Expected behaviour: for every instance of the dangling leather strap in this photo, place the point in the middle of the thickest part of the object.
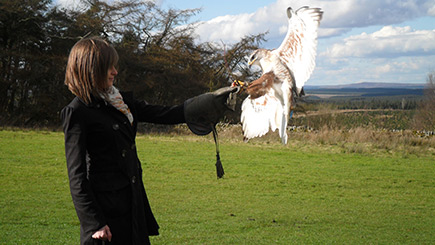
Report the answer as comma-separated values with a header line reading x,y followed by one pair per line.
x,y
219,168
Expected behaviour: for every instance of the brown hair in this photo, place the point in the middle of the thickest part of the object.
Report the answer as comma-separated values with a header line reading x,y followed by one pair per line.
x,y
88,64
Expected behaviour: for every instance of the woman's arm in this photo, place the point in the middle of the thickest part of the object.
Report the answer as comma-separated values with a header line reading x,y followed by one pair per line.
x,y
199,112
159,114
88,212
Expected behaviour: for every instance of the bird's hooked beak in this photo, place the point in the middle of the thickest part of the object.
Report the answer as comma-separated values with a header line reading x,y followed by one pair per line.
x,y
251,62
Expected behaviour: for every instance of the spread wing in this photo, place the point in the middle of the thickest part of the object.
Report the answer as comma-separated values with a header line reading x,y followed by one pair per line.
x,y
298,50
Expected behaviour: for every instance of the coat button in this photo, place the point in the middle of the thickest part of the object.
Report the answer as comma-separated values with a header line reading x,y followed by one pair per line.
x,y
133,179
124,153
115,126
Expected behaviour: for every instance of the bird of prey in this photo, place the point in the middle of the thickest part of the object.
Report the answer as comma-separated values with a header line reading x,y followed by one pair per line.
x,y
284,73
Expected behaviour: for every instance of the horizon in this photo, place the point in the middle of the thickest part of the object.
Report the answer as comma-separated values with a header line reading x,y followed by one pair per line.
x,y
370,83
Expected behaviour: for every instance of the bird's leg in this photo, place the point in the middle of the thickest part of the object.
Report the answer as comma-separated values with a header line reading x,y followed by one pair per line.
x,y
237,83
283,132
285,117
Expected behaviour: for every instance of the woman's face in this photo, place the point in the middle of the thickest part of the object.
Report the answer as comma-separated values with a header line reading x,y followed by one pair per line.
x,y
111,74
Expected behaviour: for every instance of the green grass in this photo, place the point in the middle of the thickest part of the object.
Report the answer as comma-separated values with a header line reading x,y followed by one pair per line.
x,y
271,194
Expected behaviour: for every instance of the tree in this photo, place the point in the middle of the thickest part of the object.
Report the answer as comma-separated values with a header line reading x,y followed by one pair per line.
x,y
22,45
424,118
159,57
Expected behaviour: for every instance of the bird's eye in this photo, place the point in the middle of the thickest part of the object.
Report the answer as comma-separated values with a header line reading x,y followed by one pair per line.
x,y
254,57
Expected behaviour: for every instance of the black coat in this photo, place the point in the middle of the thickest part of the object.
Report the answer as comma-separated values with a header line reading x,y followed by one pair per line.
x,y
105,174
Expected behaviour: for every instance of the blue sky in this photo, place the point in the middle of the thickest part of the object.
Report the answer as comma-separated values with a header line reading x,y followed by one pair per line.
x,y
383,41
359,40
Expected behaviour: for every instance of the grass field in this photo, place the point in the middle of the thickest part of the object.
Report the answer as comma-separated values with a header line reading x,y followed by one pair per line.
x,y
303,193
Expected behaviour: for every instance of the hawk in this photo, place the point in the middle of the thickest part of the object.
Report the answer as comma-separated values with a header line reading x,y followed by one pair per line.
x,y
284,73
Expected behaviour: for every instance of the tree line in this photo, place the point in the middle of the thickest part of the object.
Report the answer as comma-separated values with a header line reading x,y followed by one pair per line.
x,y
159,56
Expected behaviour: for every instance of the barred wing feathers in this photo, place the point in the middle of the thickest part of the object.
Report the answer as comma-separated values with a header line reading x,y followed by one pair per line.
x,y
298,50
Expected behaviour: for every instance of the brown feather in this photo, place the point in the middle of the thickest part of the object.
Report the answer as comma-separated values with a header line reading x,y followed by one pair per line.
x,y
260,86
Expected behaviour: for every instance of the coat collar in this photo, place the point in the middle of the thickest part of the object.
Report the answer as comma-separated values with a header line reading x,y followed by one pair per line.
x,y
96,101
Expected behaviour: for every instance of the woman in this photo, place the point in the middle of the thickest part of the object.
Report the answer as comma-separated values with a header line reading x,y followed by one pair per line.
x,y
100,124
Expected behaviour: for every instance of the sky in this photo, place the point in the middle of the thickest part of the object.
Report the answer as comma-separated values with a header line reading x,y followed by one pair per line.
x,y
382,41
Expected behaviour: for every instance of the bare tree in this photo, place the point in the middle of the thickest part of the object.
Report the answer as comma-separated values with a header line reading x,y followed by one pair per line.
x,y
424,118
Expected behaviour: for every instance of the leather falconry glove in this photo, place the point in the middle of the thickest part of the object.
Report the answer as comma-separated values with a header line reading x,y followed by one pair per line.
x,y
203,112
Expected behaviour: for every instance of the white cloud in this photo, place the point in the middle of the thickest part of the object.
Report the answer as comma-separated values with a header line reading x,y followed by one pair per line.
x,y
351,70
389,41
229,28
232,28
381,68
330,32
339,17
390,54
360,13
374,64
71,4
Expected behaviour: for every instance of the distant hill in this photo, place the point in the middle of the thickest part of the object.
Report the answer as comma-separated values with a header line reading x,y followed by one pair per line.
x,y
364,89
366,85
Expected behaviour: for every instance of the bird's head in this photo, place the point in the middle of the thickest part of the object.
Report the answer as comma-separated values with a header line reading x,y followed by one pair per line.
x,y
256,56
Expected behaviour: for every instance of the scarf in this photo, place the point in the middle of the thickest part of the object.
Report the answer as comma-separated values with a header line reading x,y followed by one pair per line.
x,y
113,96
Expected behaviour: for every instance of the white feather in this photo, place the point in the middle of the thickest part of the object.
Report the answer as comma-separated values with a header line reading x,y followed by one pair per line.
x,y
260,115
298,50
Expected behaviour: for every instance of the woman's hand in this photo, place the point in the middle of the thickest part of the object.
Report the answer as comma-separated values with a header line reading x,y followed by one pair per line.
x,y
103,234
